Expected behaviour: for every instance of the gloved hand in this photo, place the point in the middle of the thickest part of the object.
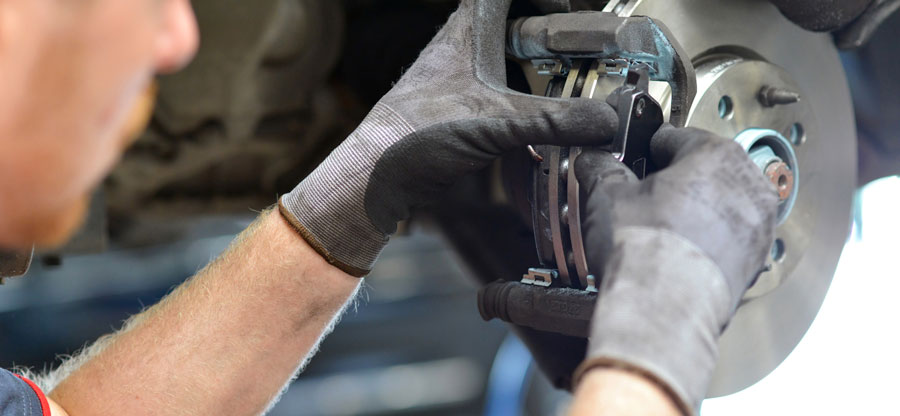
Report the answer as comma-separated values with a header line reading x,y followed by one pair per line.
x,y
823,15
450,114
851,22
677,251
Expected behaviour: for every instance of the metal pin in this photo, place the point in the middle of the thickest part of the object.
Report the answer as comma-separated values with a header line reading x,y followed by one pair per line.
x,y
639,107
534,154
772,96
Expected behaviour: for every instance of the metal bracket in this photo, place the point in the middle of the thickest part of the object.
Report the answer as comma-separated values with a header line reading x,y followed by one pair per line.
x,y
554,67
858,32
540,277
640,116
602,35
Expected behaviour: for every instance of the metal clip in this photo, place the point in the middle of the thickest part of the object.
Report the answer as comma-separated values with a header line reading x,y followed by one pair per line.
x,y
553,67
540,277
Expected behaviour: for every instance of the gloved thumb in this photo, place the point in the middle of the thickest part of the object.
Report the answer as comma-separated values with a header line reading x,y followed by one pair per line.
x,y
670,144
595,167
598,172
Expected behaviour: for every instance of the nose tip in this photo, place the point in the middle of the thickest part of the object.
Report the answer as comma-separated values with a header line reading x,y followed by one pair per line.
x,y
180,37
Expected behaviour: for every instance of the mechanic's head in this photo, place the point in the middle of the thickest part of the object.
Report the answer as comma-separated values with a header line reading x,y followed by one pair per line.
x,y
71,73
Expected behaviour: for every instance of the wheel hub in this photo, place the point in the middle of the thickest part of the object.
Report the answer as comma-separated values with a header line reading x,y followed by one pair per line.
x,y
792,111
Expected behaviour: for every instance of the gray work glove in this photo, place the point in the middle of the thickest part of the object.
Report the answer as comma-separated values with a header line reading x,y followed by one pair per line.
x,y
677,250
451,114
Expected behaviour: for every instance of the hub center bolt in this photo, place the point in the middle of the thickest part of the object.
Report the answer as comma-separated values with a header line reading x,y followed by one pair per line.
x,y
783,179
775,157
776,169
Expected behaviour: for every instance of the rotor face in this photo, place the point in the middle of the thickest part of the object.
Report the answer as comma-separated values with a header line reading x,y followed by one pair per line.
x,y
731,102
739,48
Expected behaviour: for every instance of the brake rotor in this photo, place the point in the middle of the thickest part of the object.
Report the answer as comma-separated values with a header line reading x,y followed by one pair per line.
x,y
740,47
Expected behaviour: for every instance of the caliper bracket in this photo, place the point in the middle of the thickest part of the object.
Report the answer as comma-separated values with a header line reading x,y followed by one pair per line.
x,y
603,35
559,310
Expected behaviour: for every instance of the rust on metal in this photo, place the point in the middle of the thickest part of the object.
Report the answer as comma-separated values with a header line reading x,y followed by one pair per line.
x,y
782,177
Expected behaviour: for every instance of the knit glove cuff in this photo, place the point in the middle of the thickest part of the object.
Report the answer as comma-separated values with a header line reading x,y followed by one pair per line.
x,y
328,208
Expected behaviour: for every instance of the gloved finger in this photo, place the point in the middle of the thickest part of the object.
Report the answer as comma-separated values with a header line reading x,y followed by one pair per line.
x,y
822,16
477,27
489,37
553,6
558,121
595,167
671,144
598,173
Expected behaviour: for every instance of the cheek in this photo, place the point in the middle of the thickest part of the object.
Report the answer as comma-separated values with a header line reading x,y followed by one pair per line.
x,y
78,88
65,112
110,78
118,74
47,228
138,117
54,228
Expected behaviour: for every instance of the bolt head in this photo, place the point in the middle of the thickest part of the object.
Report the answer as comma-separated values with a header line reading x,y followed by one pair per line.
x,y
639,107
780,174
